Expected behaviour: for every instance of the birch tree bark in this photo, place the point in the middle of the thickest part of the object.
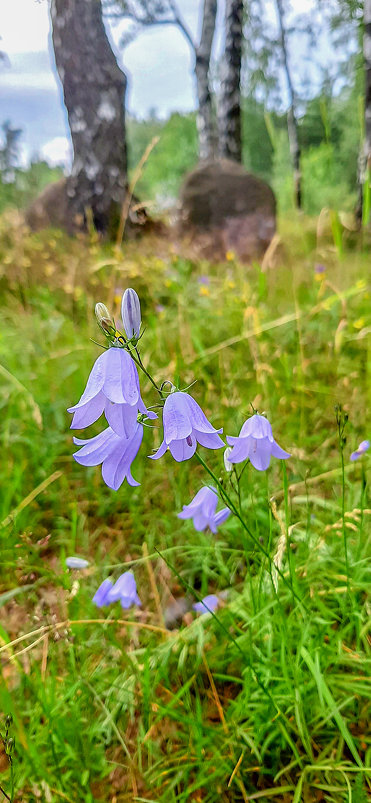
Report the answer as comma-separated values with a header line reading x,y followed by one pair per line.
x,y
292,123
94,94
367,57
365,154
205,118
229,107
147,13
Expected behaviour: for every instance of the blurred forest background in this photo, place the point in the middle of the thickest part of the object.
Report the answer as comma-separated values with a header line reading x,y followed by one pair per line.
x,y
325,49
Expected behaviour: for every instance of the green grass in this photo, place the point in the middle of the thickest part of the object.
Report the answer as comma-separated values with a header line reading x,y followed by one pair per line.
x,y
268,700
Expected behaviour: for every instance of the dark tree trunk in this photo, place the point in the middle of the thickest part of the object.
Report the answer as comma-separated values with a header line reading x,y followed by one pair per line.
x,y
94,94
367,57
364,162
205,117
292,123
229,116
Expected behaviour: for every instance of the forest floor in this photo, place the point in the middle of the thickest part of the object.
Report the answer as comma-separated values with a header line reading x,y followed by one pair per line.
x,y
268,699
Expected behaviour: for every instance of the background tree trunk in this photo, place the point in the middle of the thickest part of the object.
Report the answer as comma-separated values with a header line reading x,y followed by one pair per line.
x,y
205,118
292,123
94,94
367,57
229,116
364,165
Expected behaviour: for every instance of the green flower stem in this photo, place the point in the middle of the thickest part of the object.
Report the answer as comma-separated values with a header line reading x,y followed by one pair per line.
x,y
284,724
226,498
287,528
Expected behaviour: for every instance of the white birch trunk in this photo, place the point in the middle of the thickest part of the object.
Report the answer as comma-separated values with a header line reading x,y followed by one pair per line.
x,y
229,107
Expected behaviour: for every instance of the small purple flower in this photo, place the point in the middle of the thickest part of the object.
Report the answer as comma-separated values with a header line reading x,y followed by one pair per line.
x,y
125,590
209,603
112,387
318,268
256,443
202,510
362,448
185,425
100,596
130,313
115,453
203,279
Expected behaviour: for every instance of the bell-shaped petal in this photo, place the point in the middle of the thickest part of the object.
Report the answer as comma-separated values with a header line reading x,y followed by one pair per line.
x,y
117,465
202,510
122,418
125,590
114,452
101,595
112,388
197,416
258,427
185,425
256,443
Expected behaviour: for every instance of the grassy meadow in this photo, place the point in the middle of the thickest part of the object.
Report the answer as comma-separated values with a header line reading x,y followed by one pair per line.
x,y
268,699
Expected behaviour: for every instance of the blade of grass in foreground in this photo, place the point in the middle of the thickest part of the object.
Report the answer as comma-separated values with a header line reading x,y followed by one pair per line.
x,y
324,691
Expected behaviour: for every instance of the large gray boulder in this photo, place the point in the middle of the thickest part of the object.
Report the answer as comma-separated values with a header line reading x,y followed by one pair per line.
x,y
224,208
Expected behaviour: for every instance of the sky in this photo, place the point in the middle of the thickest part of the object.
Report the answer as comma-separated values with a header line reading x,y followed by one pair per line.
x,y
158,65
30,91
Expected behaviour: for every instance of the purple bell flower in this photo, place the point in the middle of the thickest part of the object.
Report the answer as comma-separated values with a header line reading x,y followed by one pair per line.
x,y
112,388
115,453
256,443
100,596
202,510
125,590
185,425
211,601
362,448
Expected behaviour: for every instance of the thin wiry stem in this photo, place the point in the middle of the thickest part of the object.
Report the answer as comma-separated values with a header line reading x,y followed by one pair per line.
x,y
228,501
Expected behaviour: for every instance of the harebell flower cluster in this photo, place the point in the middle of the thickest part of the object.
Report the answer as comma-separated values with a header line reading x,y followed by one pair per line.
x,y
113,390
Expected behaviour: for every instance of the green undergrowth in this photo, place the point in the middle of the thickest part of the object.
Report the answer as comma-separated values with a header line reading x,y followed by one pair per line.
x,y
267,700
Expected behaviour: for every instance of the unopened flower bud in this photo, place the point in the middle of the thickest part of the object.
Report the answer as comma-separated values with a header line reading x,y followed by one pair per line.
x,y
76,563
104,319
130,313
227,464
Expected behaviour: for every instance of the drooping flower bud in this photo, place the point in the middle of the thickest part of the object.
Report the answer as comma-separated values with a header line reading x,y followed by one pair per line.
x,y
227,464
130,313
74,562
104,319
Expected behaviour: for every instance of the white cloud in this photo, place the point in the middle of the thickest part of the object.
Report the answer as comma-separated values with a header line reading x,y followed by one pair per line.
x,y
24,25
57,151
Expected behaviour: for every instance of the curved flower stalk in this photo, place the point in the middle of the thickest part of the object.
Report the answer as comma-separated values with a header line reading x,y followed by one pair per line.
x,y
124,589
114,452
112,388
202,510
256,443
185,425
